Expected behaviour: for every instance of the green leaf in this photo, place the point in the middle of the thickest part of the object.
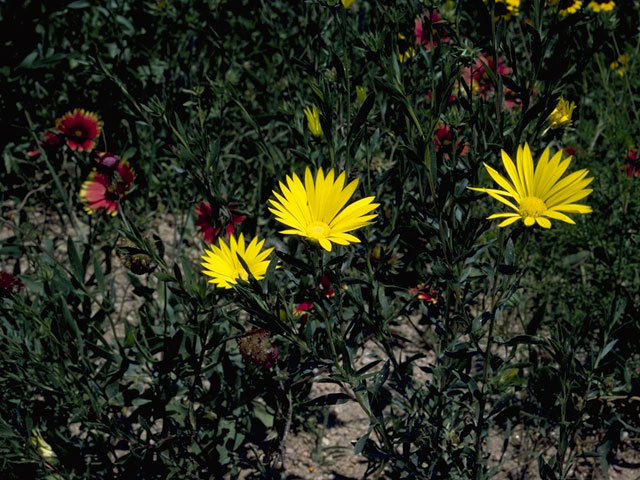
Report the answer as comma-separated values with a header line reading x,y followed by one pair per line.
x,y
74,260
79,4
362,114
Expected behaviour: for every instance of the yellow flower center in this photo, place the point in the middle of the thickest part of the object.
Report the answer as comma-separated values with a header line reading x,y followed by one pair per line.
x,y
79,133
532,207
318,230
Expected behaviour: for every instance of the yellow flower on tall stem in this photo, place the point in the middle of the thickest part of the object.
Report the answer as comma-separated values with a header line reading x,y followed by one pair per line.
x,y
313,121
561,115
222,262
538,195
316,209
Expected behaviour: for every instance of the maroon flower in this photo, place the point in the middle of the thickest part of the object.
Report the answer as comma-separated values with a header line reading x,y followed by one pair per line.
x,y
209,225
632,164
430,29
9,284
443,140
50,144
477,77
81,128
256,346
425,293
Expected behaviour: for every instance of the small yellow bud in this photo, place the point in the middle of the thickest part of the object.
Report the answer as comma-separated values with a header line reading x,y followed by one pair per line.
x,y
620,65
347,3
561,115
361,93
313,121
41,446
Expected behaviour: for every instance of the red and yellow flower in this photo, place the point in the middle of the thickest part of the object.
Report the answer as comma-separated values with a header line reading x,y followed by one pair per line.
x,y
106,187
431,30
209,225
81,128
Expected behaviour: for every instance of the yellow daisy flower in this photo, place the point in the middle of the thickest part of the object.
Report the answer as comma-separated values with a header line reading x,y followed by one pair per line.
x,y
222,264
568,7
561,115
601,5
538,195
313,121
316,210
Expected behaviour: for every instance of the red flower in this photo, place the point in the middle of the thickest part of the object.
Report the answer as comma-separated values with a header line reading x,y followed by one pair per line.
x,y
478,79
50,144
105,188
256,346
303,309
430,20
424,293
206,223
632,165
9,284
81,129
326,287
570,150
443,141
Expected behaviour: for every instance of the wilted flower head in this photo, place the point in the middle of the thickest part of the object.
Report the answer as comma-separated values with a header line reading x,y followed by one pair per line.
x,y
209,224
621,64
9,284
81,129
318,208
107,186
313,120
222,262
326,288
41,446
632,163
430,29
561,115
256,346
601,5
134,259
537,195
